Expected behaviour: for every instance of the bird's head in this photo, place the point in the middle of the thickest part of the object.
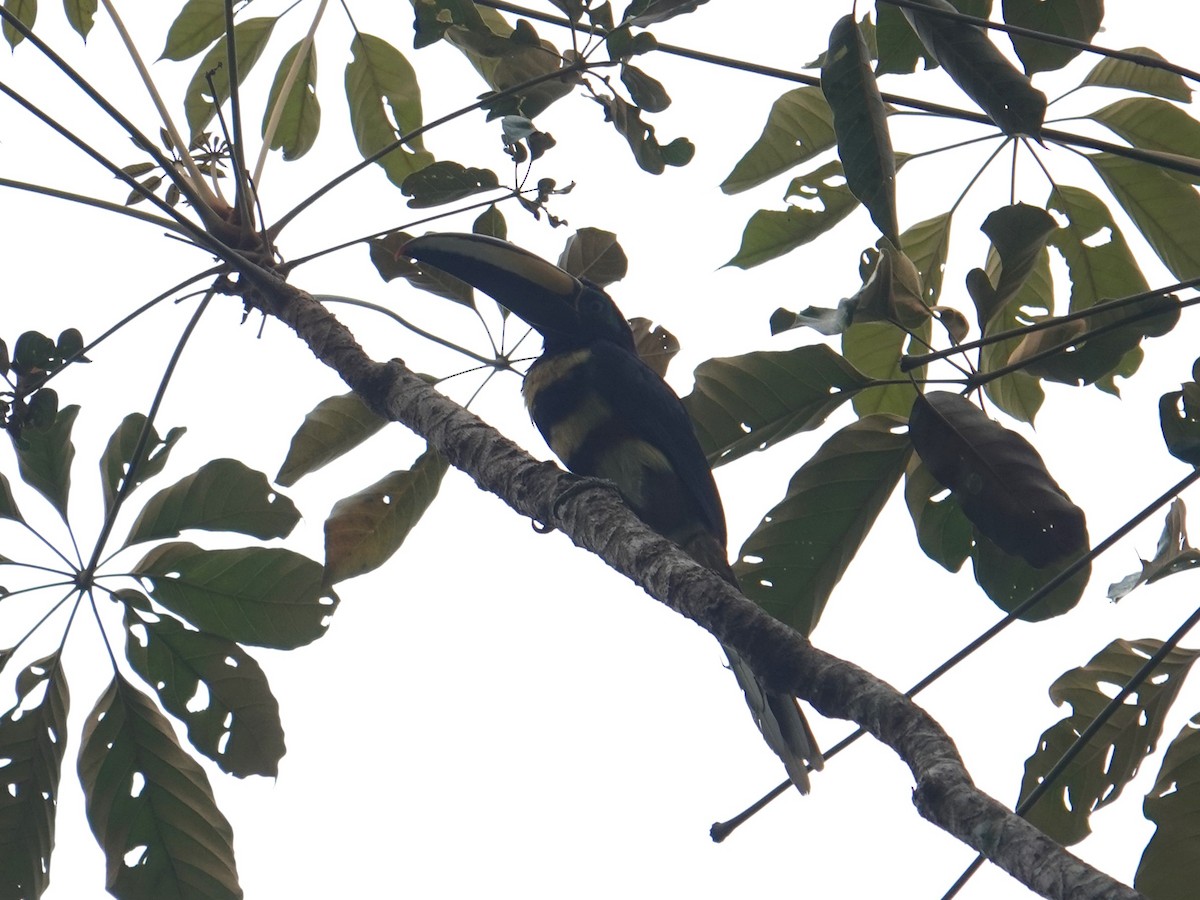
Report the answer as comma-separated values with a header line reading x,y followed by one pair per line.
x,y
566,310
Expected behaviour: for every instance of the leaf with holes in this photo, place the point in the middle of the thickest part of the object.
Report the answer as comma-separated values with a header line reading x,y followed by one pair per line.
x,y
364,530
656,347
1111,757
33,736
44,457
201,100
335,426
265,596
222,495
298,113
117,458
943,531
799,126
213,686
793,560
860,121
746,403
1168,870
446,181
150,804
1174,554
998,477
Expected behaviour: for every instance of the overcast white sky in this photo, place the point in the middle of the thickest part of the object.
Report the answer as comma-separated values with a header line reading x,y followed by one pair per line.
x,y
495,712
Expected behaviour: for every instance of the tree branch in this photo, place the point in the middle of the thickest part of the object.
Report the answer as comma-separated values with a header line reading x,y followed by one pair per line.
x,y
592,515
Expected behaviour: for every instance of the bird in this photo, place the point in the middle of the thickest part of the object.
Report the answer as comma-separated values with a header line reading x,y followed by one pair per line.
x,y
608,415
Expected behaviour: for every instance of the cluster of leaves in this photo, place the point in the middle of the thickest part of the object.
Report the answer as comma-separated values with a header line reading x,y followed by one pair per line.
x,y
35,357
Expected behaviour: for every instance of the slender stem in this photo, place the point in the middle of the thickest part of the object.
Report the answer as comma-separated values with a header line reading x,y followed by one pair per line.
x,y
383,310
106,205
181,146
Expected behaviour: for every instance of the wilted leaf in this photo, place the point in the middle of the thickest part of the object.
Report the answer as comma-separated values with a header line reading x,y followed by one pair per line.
x,y
117,459
238,727
44,458
791,562
266,596
594,254
799,126
646,92
379,82
364,530
650,155
823,319
1111,757
1018,234
998,478
892,291
222,495
250,39
333,427
1075,19
745,403
1170,867
860,122
1130,76
33,737
150,804
1174,554
981,70
299,112
655,346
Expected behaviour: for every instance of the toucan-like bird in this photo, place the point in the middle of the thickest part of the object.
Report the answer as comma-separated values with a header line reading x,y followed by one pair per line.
x,y
606,414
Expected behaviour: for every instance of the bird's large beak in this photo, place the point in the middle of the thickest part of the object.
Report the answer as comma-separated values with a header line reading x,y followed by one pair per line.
x,y
538,291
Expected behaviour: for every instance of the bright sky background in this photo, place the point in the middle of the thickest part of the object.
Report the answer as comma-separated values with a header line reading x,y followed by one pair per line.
x,y
496,713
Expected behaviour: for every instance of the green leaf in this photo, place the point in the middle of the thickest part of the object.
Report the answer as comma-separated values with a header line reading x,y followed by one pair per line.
x,y
770,233
998,478
650,155
1111,758
81,15
875,349
1075,19
117,459
390,261
1164,209
647,12
943,530
300,112
380,80
1130,76
1179,417
791,562
238,726
655,346
33,736
1174,554
1170,866
44,458
1018,234
981,70
647,93
799,126
364,530
860,121
744,403
491,223
1150,124
26,13
446,182
150,804
594,254
927,244
335,426
199,103
198,24
1009,580
265,596
8,503
899,48
222,495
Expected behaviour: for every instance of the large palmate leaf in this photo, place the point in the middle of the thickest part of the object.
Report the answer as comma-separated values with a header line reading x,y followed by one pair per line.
x,y
791,562
746,403
238,724
33,737
150,804
365,530
222,495
1170,867
201,100
1078,20
799,126
1173,554
980,69
998,478
44,457
860,122
335,426
117,459
266,596
381,88
1111,757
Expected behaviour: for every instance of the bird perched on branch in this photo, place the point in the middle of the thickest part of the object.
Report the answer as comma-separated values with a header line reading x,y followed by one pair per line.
x,y
606,414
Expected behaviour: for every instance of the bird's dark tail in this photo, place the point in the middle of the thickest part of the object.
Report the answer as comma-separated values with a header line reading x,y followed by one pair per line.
x,y
778,716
